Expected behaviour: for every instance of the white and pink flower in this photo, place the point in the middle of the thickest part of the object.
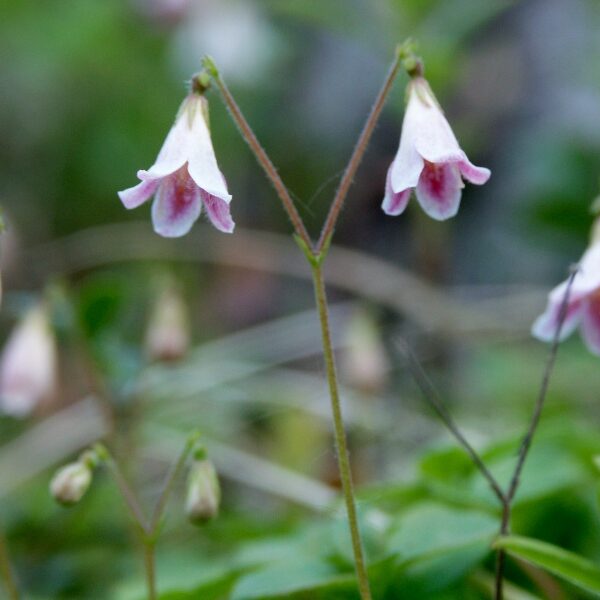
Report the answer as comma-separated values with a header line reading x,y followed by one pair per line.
x,y
184,177
583,309
429,160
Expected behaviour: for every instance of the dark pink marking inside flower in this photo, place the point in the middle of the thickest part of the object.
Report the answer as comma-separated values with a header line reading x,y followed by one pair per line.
x,y
184,193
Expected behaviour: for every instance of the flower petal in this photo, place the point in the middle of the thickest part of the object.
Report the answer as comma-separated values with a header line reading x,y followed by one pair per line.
x,y
202,163
137,195
177,205
590,323
476,175
178,145
394,203
545,326
217,210
439,190
587,279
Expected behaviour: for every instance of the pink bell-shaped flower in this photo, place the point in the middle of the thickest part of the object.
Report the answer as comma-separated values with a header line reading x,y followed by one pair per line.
x,y
429,160
583,309
28,365
184,177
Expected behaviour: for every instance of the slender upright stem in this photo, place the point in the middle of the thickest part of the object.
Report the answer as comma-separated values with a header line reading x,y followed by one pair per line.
x,y
528,437
172,477
150,568
340,433
432,397
7,572
357,154
263,159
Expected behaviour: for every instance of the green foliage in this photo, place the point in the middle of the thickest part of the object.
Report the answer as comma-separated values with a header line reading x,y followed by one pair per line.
x,y
567,565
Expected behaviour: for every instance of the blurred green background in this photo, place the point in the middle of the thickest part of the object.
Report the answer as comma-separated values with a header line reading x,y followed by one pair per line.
x,y
89,90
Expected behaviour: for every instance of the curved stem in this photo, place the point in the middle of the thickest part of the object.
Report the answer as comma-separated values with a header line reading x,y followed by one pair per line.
x,y
528,437
7,572
263,159
339,432
432,397
357,154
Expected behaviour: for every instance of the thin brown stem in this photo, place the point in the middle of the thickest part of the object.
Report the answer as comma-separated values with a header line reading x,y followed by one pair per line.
x,y
432,397
7,571
528,437
340,433
357,155
263,159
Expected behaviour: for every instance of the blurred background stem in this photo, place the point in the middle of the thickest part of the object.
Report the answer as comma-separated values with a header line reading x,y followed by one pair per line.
x,y
7,571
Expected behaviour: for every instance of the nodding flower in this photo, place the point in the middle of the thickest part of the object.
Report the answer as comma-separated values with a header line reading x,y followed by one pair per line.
x,y
429,160
185,176
583,307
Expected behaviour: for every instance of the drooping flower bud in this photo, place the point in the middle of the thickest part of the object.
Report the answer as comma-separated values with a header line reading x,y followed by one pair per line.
x,y
72,481
364,364
28,365
203,491
167,337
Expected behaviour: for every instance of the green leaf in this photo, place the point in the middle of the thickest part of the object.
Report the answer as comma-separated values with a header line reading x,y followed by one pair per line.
x,y
437,545
302,579
565,564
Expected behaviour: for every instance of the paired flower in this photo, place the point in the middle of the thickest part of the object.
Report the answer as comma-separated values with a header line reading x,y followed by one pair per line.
x,y
429,159
583,308
28,365
184,177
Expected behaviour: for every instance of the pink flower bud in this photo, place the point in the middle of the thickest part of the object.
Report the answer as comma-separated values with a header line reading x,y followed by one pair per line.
x,y
185,177
203,492
429,160
28,365
167,337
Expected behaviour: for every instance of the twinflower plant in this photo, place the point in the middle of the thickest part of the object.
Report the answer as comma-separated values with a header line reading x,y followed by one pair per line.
x,y
429,159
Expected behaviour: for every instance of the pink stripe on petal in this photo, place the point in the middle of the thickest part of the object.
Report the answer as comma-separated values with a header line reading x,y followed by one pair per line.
x,y
476,175
137,195
590,323
218,212
177,205
394,203
439,190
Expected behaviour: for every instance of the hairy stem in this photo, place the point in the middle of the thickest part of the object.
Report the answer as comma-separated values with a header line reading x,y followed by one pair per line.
x,y
150,568
340,433
357,155
263,159
432,397
7,572
528,437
